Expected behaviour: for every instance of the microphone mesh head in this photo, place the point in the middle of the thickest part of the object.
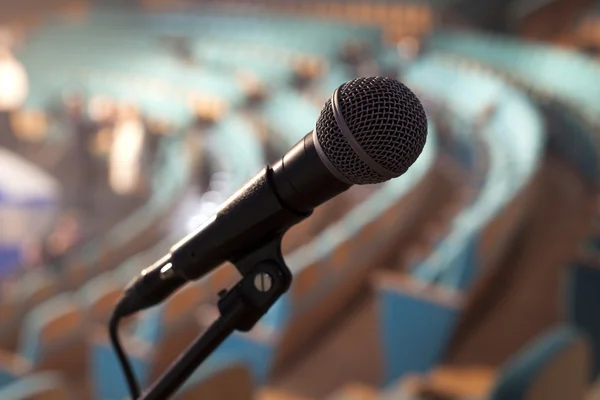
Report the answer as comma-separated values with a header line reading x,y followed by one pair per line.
x,y
387,121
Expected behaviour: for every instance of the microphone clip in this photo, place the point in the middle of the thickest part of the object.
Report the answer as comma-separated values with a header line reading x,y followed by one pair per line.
x,y
265,277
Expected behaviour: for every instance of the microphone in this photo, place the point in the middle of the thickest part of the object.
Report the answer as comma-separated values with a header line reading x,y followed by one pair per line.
x,y
370,130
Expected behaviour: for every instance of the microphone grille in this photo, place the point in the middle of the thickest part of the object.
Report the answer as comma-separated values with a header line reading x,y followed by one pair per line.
x,y
386,120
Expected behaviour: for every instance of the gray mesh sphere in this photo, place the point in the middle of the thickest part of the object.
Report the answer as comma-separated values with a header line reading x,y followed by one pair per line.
x,y
387,121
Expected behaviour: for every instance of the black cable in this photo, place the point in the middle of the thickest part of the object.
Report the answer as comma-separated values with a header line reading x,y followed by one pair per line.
x,y
113,330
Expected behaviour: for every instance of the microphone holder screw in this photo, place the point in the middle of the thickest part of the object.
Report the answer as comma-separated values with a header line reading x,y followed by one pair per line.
x,y
263,282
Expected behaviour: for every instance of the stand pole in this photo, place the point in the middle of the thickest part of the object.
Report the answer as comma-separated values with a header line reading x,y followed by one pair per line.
x,y
193,356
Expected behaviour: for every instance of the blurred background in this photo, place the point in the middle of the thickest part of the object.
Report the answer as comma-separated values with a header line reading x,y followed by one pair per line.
x,y
124,125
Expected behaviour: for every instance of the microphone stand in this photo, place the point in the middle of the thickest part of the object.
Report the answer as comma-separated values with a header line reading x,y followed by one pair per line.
x,y
265,277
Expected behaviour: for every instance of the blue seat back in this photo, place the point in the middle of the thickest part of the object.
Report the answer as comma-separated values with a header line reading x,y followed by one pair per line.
x,y
553,367
583,297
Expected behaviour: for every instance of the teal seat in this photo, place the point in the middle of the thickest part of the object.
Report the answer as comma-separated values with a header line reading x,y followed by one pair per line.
x,y
37,286
7,376
415,329
553,367
52,334
38,386
583,294
219,377
106,373
98,296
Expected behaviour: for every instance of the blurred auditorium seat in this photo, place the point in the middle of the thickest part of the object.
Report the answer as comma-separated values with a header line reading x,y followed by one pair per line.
x,y
233,381
556,366
106,376
37,286
276,394
425,311
594,392
11,315
32,289
484,208
323,216
12,368
52,338
583,296
355,391
99,296
178,328
212,380
38,386
478,234
346,263
452,382
552,367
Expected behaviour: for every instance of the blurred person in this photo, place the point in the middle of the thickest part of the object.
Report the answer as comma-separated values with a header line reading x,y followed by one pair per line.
x,y
156,129
358,56
355,52
306,70
205,117
253,88
207,111
102,112
126,152
183,50
14,88
53,250
83,130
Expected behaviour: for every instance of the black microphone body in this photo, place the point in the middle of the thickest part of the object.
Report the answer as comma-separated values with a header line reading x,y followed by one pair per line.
x,y
370,130
275,199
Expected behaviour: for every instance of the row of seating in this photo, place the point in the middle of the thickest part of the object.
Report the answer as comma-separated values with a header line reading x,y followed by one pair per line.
x,y
466,251
529,374
358,214
219,141
541,69
553,366
330,269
